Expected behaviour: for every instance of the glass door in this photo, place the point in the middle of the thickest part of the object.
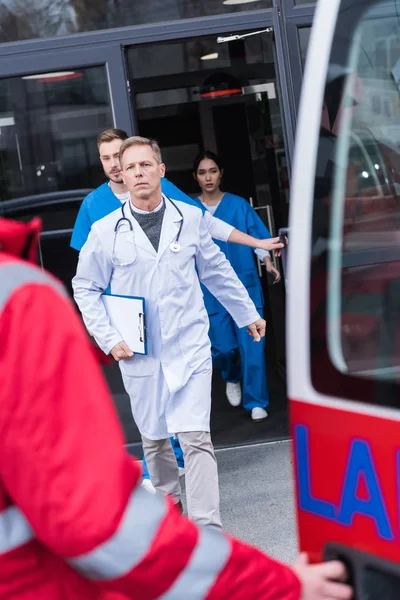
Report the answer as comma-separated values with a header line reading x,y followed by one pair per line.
x,y
52,109
197,94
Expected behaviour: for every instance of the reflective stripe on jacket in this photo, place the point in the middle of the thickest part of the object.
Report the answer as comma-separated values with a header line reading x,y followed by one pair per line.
x,y
74,521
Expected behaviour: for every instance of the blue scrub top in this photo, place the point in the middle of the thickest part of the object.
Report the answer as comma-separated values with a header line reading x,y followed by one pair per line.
x,y
102,201
236,211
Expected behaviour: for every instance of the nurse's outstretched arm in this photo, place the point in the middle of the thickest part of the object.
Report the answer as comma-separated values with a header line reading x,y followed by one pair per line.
x,y
270,244
220,230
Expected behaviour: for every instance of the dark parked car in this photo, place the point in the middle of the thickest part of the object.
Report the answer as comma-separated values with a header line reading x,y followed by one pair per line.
x,y
58,212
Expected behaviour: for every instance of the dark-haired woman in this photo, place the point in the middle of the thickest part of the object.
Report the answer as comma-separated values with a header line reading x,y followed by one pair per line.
x,y
227,340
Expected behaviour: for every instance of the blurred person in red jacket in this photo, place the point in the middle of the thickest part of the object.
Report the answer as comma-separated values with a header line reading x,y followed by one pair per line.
x,y
75,523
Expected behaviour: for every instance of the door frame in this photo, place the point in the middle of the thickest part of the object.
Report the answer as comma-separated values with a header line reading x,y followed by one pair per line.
x,y
294,17
140,34
107,47
236,23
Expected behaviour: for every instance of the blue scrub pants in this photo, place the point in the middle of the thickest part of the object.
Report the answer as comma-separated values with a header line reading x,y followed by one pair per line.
x,y
228,343
178,454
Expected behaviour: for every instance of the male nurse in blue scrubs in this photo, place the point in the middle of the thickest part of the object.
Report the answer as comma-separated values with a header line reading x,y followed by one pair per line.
x,y
111,195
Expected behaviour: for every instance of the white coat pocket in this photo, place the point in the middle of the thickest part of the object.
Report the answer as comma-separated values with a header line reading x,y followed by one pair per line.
x,y
181,268
124,248
137,366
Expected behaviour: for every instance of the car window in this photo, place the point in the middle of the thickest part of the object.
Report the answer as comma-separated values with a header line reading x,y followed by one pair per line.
x,y
55,216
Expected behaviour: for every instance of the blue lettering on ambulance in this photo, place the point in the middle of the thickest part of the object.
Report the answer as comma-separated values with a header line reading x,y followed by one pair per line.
x,y
360,464
307,501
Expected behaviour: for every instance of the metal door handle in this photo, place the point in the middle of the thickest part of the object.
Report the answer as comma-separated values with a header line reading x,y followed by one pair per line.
x,y
271,226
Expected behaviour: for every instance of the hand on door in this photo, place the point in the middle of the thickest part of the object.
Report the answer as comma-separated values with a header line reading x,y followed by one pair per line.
x,y
271,245
325,580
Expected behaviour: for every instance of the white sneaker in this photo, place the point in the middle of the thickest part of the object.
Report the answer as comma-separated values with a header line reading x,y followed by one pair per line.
x,y
146,483
258,414
234,393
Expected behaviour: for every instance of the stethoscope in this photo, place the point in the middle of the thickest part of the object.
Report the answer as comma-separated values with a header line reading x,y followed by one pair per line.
x,y
174,246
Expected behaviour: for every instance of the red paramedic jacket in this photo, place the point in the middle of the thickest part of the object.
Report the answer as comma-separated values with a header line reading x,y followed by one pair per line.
x,y
75,523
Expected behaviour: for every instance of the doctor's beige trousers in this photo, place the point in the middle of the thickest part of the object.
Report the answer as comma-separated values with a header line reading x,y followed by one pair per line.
x,y
201,474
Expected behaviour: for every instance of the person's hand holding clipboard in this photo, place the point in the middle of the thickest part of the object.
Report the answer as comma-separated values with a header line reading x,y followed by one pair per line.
x,y
127,316
121,351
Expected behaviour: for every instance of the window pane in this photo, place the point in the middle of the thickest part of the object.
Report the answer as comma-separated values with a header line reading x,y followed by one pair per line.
x,y
49,123
367,206
305,1
304,39
357,203
28,19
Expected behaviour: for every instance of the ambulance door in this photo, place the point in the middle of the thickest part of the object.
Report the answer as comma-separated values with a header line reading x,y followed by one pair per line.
x,y
344,294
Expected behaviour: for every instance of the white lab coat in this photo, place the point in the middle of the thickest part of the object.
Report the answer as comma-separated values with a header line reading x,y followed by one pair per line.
x,y
218,229
170,388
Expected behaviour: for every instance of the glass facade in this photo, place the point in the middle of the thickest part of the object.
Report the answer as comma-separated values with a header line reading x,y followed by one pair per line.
x,y
31,19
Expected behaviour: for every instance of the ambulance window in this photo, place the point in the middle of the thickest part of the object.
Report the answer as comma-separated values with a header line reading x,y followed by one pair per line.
x,y
355,324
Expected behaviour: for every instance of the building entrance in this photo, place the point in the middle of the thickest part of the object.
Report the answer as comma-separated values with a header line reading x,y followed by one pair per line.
x,y
65,80
197,93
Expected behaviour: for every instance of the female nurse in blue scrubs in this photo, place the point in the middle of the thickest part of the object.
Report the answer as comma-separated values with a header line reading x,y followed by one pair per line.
x,y
233,350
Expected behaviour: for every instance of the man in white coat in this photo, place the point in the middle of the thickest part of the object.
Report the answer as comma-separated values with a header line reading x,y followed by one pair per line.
x,y
154,253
